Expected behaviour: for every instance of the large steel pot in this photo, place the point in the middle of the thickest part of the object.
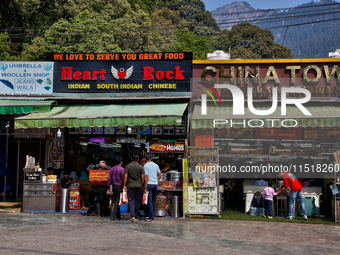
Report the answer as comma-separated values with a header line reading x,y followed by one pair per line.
x,y
160,212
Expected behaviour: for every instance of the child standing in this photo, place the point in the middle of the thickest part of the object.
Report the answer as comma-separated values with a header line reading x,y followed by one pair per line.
x,y
268,194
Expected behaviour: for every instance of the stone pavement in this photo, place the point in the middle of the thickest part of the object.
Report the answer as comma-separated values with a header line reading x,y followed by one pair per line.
x,y
23,233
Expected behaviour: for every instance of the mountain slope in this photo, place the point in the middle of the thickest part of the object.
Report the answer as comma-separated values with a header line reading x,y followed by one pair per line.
x,y
314,39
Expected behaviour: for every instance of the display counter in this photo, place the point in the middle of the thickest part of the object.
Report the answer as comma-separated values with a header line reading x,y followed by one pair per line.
x,y
170,189
41,197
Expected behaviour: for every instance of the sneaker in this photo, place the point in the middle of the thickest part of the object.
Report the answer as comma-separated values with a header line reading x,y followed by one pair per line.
x,y
289,217
305,217
149,220
270,217
265,216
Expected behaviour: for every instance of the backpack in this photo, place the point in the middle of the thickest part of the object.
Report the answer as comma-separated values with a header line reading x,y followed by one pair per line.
x,y
92,209
258,200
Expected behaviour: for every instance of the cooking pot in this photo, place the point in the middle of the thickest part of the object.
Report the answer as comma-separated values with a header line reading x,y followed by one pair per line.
x,y
160,212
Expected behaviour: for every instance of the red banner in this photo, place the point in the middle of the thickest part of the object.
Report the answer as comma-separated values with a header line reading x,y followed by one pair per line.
x,y
162,147
278,133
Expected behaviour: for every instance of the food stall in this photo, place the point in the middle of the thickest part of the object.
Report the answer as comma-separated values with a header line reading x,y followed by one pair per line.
x,y
171,183
203,189
41,194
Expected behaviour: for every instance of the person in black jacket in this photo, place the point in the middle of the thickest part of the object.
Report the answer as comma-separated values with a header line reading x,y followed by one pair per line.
x,y
67,181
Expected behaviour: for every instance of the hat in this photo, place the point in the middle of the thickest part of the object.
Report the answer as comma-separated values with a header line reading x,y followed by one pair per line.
x,y
148,156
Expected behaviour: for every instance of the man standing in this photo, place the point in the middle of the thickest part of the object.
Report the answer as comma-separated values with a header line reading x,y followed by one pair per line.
x,y
291,181
116,178
133,179
165,167
152,175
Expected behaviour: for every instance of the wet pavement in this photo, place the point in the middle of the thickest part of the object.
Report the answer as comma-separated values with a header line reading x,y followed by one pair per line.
x,y
23,233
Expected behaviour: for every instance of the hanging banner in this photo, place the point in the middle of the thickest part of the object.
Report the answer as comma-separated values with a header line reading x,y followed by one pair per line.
x,y
33,78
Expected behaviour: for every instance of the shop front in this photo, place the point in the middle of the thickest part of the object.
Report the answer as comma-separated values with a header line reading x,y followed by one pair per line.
x,y
266,117
116,108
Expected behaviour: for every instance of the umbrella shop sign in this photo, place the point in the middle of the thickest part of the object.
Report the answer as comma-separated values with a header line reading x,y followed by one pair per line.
x,y
26,78
122,72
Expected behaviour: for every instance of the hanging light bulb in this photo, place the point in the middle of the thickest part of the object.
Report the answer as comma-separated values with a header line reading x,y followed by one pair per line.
x,y
129,130
59,133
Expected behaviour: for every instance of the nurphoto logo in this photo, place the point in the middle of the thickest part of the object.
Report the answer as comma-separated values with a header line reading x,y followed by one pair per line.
x,y
238,104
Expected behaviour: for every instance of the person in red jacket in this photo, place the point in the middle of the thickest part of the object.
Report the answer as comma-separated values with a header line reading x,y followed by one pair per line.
x,y
291,181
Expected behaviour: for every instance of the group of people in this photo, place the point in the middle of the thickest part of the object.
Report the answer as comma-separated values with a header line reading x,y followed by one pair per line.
x,y
291,181
135,179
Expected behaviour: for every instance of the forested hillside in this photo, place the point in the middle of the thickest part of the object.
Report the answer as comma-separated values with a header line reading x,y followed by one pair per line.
x,y
32,28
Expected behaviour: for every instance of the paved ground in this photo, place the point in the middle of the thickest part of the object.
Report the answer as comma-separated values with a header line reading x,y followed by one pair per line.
x,y
23,233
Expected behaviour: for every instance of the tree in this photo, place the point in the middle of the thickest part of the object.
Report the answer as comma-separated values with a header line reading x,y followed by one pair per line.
x,y
188,41
250,42
112,30
199,21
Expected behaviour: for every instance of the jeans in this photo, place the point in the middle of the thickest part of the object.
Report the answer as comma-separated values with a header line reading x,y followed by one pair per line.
x,y
134,196
292,199
268,207
152,189
115,214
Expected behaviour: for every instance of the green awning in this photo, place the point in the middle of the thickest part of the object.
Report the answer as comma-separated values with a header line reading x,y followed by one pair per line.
x,y
323,115
105,115
24,106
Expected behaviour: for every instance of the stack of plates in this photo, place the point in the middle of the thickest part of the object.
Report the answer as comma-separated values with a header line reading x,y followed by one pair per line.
x,y
175,176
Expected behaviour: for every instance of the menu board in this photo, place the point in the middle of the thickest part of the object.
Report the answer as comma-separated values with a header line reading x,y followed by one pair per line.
x,y
56,149
32,176
278,133
322,133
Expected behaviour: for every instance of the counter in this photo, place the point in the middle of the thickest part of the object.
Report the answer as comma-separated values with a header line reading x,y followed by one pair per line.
x,y
40,197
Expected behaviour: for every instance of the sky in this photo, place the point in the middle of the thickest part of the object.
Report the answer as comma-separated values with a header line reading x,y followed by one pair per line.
x,y
211,5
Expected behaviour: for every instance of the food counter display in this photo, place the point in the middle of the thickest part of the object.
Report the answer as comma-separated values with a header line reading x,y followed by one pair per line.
x,y
39,196
203,192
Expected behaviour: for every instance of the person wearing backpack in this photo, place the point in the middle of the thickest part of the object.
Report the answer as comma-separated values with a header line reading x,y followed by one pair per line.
x,y
268,194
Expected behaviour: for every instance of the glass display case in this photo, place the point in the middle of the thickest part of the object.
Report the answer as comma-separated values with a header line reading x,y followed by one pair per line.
x,y
203,193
